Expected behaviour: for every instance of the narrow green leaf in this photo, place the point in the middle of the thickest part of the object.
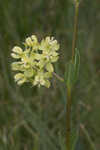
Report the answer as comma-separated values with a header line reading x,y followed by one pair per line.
x,y
74,138
69,74
62,141
76,64
72,70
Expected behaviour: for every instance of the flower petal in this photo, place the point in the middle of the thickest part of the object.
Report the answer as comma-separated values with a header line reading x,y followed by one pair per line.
x,y
17,49
49,67
16,56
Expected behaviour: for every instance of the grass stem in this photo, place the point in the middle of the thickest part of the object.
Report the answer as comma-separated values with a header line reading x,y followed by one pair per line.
x,y
75,29
68,118
68,107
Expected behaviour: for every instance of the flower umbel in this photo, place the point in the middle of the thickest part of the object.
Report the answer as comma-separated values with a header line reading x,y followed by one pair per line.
x,y
34,64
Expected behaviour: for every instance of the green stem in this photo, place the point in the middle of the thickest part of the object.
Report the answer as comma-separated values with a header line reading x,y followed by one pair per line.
x,y
68,107
68,118
75,29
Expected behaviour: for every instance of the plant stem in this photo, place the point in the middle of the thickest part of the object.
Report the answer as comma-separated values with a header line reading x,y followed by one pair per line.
x,y
68,107
75,29
68,118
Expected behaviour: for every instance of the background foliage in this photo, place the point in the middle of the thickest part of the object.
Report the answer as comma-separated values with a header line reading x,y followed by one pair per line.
x,y
32,118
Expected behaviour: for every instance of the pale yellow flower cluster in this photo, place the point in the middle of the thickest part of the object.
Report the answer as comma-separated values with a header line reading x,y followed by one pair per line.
x,y
35,63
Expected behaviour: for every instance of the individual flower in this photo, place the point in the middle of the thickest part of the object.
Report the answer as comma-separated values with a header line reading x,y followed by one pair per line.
x,y
32,42
34,63
49,47
19,78
49,43
17,51
42,79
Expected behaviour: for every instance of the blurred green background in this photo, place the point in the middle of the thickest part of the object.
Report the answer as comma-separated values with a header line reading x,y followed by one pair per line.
x,y
35,119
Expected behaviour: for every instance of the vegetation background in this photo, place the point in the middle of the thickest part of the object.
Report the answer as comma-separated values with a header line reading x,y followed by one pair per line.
x,y
35,119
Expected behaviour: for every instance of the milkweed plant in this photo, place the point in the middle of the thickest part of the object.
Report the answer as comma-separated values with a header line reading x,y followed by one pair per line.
x,y
35,64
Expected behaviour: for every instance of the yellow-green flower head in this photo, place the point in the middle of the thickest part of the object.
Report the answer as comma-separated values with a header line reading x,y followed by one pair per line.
x,y
34,63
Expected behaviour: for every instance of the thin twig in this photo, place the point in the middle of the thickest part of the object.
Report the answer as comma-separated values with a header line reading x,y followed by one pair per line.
x,y
58,77
87,136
